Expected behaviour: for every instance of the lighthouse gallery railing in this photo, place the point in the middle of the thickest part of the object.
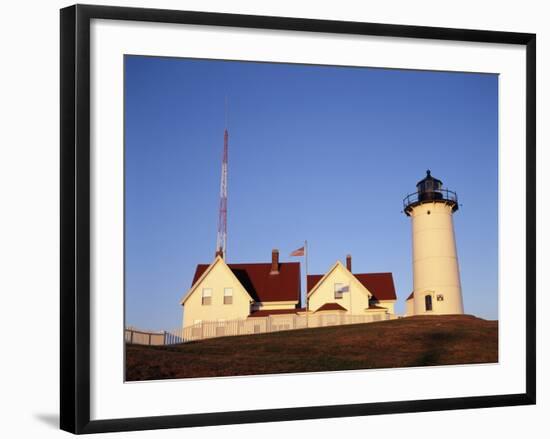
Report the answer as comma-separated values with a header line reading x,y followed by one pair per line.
x,y
433,195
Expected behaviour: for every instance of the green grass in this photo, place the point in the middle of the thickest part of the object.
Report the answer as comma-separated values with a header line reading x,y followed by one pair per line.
x,y
408,342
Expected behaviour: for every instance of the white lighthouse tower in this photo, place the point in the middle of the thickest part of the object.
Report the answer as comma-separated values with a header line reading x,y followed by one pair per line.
x,y
436,275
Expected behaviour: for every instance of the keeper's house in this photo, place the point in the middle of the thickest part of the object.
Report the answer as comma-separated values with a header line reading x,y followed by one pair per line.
x,y
341,290
222,292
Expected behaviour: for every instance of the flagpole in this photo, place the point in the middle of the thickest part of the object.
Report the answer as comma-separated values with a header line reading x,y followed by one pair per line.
x,y
306,298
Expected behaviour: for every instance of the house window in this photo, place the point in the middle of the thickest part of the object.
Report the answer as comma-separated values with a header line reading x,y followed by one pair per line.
x,y
227,296
339,290
428,302
207,296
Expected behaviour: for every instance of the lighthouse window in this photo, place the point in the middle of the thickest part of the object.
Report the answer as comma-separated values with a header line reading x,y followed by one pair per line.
x,y
428,302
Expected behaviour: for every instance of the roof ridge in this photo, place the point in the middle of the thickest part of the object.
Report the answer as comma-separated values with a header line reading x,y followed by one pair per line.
x,y
259,284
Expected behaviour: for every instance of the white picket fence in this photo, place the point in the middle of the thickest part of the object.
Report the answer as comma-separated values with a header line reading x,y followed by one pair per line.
x,y
138,336
255,325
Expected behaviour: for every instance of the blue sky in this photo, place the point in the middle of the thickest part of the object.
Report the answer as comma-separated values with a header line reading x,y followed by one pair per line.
x,y
315,152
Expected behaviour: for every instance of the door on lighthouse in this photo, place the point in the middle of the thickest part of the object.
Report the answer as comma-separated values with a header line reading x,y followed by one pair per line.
x,y
428,302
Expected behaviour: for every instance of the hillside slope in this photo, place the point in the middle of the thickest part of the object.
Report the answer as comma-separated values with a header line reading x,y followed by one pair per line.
x,y
407,342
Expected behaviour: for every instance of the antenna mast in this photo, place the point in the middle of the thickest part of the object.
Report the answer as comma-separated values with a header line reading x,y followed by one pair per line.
x,y
221,242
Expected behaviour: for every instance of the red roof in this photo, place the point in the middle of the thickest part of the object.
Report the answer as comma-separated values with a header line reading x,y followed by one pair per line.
x,y
376,307
331,307
379,284
269,312
312,280
260,284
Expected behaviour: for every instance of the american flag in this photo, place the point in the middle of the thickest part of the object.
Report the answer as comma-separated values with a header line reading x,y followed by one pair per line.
x,y
298,252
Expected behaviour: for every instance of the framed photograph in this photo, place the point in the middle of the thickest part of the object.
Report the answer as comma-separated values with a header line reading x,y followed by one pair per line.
x,y
340,214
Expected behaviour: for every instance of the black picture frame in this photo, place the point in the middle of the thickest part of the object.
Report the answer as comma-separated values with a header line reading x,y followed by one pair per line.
x,y
75,217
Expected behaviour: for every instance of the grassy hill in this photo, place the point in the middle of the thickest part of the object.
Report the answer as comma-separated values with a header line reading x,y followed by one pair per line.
x,y
407,342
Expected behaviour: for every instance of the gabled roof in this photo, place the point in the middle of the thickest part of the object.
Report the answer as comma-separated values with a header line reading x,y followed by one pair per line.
x,y
207,268
379,284
312,280
328,273
260,284
331,307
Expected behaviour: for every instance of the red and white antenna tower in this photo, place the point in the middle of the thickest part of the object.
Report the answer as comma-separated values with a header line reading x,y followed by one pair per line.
x,y
221,242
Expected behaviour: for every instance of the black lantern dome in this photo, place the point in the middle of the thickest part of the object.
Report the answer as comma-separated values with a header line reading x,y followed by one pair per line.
x,y
429,190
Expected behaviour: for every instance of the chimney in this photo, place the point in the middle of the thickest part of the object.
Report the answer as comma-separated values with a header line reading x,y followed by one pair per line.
x,y
274,261
348,262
